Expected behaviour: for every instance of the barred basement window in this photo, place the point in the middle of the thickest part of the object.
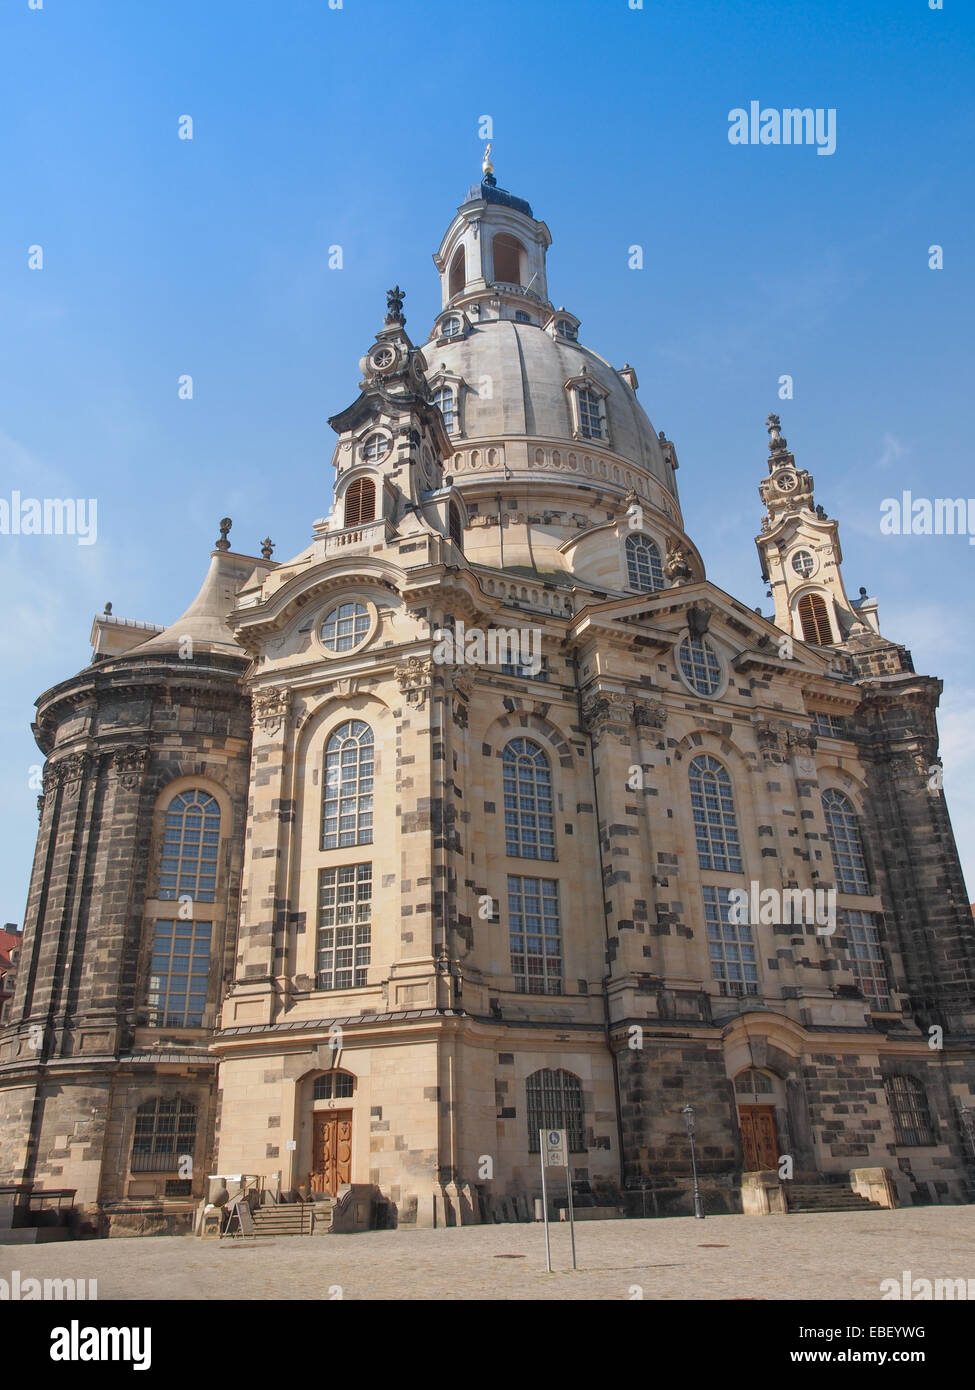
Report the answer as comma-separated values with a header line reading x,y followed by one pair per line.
x,y
191,843
814,620
529,825
700,664
347,803
178,974
555,1102
535,935
344,926
909,1110
867,955
334,1085
644,568
731,946
360,501
165,1131
715,822
843,831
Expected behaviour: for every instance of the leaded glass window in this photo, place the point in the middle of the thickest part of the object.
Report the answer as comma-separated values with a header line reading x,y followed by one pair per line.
x,y
529,825
178,974
347,804
191,844
843,831
535,935
344,926
715,822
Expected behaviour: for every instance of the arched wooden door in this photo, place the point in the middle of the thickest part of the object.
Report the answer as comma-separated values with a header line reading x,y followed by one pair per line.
x,y
759,1141
331,1151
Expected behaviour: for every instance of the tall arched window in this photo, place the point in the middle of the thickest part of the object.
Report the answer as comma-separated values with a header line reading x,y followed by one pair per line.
x,y
347,803
165,1131
555,1102
443,399
529,824
843,829
191,843
715,823
455,525
909,1110
360,502
814,619
509,256
644,568
458,273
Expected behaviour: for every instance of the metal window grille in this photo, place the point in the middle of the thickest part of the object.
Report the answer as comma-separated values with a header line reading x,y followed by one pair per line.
x,y
867,956
165,1130
700,664
555,1102
843,831
731,946
909,1110
535,935
715,822
178,974
347,807
344,926
191,845
644,568
529,823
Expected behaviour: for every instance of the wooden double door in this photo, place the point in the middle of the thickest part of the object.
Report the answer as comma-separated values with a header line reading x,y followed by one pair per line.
x,y
331,1150
759,1140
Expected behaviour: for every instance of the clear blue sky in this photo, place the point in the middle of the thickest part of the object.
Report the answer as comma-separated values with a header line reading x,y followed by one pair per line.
x,y
359,127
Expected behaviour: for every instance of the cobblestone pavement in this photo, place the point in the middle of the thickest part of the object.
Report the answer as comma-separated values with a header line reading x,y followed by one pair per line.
x,y
838,1255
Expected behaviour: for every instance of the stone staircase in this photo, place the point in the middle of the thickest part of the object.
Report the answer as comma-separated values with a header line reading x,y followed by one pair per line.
x,y
289,1219
821,1197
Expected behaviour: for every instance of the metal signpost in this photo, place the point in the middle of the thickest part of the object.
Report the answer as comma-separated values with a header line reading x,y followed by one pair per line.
x,y
554,1153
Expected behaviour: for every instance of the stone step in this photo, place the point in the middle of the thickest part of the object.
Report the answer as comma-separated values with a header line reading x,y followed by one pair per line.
x,y
288,1219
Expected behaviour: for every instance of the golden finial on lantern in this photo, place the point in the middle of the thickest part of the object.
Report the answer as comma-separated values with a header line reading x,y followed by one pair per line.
x,y
486,166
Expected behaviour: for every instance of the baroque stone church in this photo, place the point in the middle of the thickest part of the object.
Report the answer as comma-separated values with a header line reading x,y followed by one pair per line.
x,y
312,903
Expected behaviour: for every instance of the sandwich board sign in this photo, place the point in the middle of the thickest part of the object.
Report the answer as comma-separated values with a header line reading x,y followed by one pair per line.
x,y
553,1152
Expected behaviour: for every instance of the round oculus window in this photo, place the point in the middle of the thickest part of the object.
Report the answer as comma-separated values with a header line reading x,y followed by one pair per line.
x,y
804,563
345,627
785,481
699,665
382,358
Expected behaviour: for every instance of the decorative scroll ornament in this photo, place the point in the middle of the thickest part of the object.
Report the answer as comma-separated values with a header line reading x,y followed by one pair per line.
x,y
778,742
129,764
650,714
600,711
415,677
269,708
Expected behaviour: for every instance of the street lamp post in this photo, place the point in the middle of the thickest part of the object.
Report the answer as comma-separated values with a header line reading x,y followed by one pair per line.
x,y
688,1113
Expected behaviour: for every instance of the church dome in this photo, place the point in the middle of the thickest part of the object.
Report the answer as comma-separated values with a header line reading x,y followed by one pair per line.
x,y
517,380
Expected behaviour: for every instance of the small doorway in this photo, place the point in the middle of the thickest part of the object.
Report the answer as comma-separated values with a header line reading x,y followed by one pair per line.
x,y
331,1151
759,1141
